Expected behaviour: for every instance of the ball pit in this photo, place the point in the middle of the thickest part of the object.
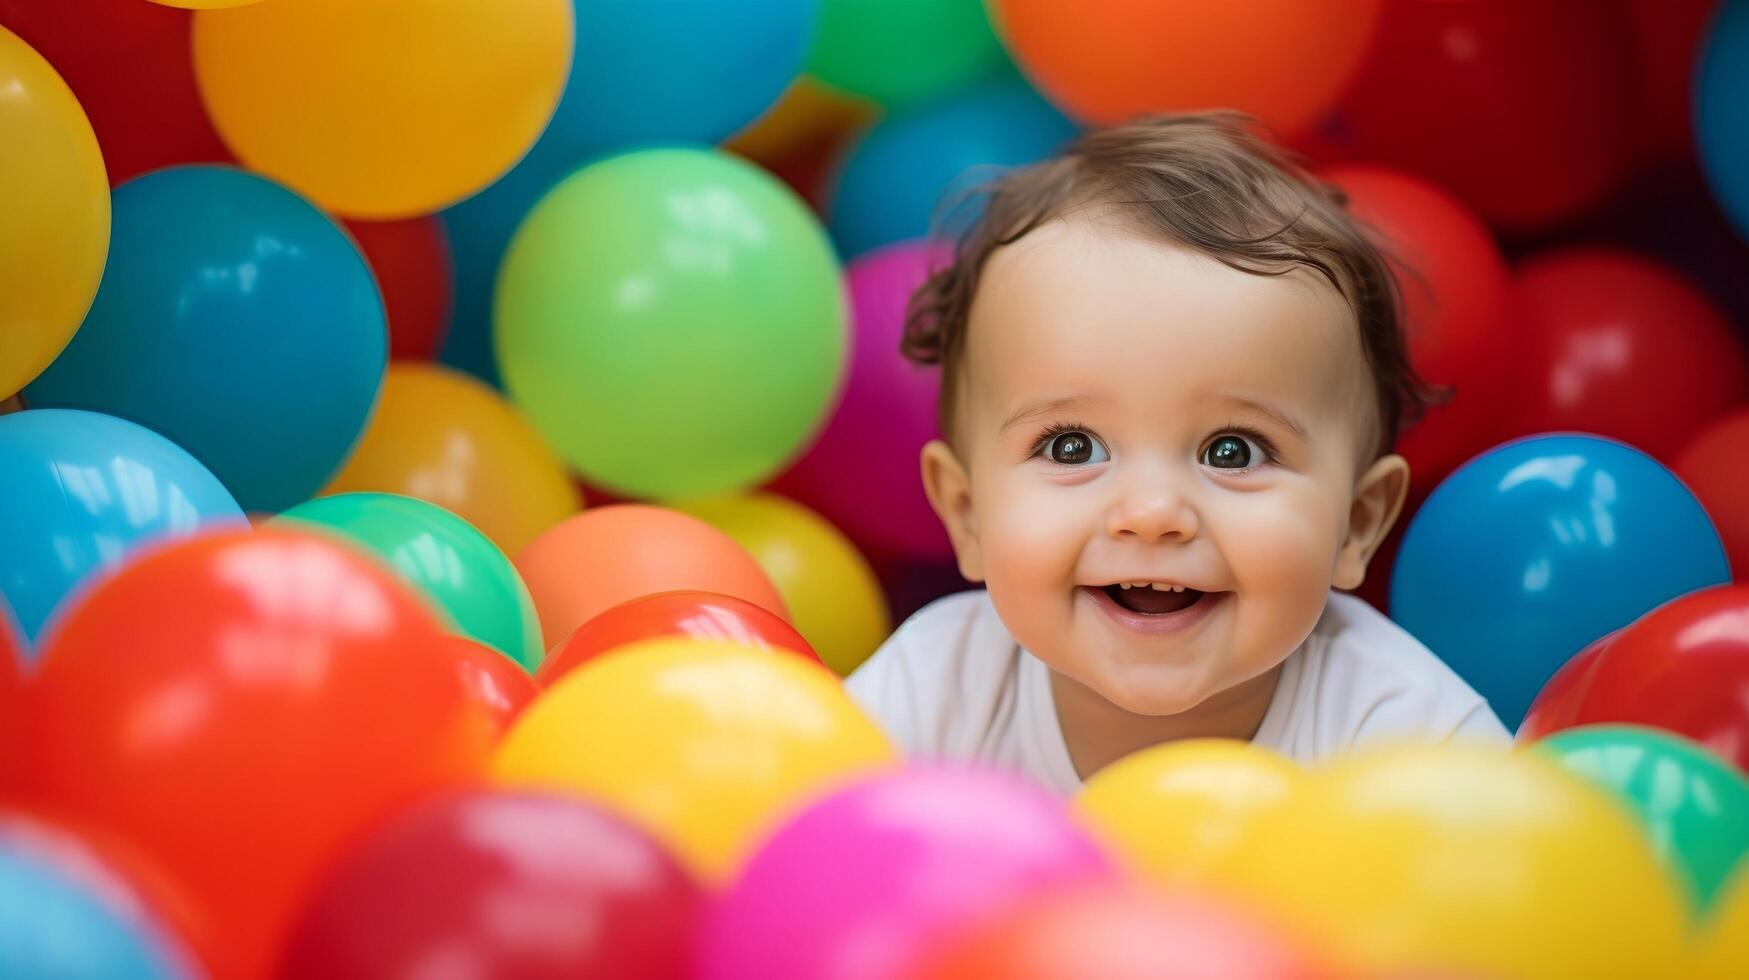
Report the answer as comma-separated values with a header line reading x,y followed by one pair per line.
x,y
320,320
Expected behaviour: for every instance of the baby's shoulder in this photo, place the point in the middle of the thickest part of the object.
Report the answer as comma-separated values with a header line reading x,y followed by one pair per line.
x,y
950,661
1369,677
951,636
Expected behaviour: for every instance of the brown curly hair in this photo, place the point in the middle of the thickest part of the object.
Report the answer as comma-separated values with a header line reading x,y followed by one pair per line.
x,y
1206,181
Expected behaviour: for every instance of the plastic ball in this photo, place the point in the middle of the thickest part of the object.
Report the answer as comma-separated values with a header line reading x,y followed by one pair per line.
x,y
1176,809
1110,60
462,572
865,881
586,565
1721,132
509,884
1684,668
56,200
706,745
1516,108
130,66
1693,805
1118,933
444,437
672,321
1673,361
1461,859
238,704
238,321
83,920
908,177
861,473
699,615
833,596
85,491
899,54
413,269
1583,536
430,105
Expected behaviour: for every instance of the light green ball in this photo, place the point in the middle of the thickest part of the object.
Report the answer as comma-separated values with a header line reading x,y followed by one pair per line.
x,y
672,322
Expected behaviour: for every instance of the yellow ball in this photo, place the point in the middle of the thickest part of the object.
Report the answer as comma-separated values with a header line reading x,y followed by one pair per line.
x,y
386,108
1175,810
1462,859
1723,948
834,598
708,745
449,439
54,214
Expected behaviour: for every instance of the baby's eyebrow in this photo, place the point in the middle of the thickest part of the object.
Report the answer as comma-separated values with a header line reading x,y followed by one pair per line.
x,y
1037,410
1266,410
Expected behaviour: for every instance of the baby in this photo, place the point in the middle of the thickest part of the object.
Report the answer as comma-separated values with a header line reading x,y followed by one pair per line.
x,y
1172,375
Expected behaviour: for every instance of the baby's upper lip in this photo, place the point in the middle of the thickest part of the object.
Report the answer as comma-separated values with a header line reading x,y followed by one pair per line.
x,y
1161,579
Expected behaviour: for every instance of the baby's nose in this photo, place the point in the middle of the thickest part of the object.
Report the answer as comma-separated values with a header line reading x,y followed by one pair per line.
x,y
1152,514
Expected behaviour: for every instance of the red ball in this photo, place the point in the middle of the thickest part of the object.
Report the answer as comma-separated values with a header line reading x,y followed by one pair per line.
x,y
413,269
704,615
512,886
1667,36
1714,466
1683,667
1453,282
237,704
1618,345
1557,704
499,685
1517,108
130,66
1121,933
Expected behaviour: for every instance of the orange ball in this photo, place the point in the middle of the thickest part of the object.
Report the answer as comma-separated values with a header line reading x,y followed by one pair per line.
x,y
448,439
1104,61
589,563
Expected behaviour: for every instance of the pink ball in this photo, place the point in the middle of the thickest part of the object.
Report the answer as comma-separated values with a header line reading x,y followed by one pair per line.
x,y
862,474
869,879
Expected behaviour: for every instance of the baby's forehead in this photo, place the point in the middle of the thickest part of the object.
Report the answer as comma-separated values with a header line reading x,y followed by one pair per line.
x,y
1088,302
1132,328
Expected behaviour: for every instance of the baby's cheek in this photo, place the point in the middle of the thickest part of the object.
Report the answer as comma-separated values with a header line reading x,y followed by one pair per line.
x,y
1031,545
1282,553
1044,531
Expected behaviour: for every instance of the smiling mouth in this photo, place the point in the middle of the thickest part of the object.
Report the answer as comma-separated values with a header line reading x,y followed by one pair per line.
x,y
1153,602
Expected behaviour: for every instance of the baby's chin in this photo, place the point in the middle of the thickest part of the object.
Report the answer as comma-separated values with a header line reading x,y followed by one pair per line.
x,y
1152,693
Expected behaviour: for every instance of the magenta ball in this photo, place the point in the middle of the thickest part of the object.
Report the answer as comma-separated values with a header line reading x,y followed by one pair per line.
x,y
868,879
862,474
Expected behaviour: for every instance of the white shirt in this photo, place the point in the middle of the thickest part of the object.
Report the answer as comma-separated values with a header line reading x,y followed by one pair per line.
x,y
952,683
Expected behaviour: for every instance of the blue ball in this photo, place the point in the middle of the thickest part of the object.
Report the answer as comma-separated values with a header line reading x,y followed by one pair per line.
x,y
83,491
1535,548
235,319
1721,124
677,71
909,176
55,924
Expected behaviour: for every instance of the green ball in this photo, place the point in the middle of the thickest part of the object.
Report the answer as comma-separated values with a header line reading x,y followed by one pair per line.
x,y
672,322
1693,805
458,568
900,52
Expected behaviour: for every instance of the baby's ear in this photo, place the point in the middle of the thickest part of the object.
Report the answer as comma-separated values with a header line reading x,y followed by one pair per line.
x,y
1378,501
950,493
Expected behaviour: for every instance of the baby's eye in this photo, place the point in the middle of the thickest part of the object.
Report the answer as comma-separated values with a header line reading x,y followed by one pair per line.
x,y
1233,452
1075,448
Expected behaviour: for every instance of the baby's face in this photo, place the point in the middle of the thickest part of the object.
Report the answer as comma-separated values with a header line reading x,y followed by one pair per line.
x,y
1136,414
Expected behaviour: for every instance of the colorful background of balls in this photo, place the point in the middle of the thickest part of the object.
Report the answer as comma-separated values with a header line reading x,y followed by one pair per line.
x,y
321,322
